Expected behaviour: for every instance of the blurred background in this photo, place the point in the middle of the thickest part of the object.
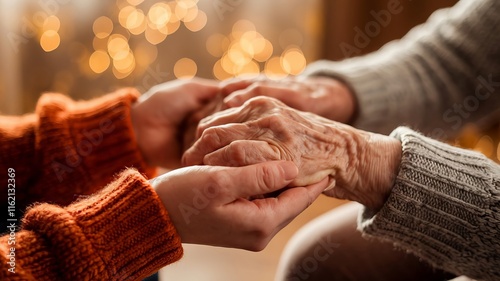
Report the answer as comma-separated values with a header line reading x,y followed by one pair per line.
x,y
86,48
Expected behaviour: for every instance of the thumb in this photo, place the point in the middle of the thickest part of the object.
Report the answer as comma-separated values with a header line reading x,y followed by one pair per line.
x,y
262,178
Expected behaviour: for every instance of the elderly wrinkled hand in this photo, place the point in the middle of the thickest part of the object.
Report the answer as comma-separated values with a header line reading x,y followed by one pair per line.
x,y
324,96
263,129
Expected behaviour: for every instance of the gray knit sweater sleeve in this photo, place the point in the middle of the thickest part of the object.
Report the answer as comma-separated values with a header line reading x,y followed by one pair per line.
x,y
441,75
444,207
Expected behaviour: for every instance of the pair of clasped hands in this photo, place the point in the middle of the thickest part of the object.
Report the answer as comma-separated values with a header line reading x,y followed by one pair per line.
x,y
255,153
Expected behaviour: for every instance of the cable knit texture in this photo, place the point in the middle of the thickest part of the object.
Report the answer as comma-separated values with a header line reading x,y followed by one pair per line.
x,y
62,154
444,207
441,75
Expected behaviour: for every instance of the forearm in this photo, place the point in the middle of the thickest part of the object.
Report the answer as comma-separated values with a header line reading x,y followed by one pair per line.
x,y
67,149
123,232
443,207
440,76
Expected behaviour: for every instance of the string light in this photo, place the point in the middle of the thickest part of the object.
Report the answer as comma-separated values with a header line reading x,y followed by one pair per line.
x,y
293,61
244,49
273,68
50,40
99,61
159,14
102,27
485,146
498,152
217,44
135,2
185,68
51,23
155,23
198,23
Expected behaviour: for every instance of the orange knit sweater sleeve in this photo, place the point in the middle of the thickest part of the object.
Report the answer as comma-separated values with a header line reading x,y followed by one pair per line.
x,y
64,152
67,149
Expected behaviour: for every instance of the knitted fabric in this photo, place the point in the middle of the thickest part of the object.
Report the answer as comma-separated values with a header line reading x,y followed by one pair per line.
x,y
64,155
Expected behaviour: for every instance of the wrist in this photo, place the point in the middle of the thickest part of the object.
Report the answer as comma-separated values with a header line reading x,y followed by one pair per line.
x,y
380,169
364,165
137,124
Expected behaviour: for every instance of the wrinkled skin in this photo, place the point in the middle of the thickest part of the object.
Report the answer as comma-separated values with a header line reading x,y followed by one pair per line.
x,y
323,96
358,163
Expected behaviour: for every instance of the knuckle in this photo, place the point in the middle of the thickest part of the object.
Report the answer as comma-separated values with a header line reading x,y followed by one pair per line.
x,y
203,124
275,118
199,130
211,160
267,178
220,180
277,122
258,88
235,153
256,246
260,102
211,136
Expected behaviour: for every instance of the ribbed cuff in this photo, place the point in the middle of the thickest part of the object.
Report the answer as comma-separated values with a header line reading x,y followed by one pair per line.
x,y
129,228
88,141
440,207
121,233
378,103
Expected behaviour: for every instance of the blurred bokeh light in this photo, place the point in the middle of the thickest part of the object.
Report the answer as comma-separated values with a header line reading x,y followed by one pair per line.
x,y
88,48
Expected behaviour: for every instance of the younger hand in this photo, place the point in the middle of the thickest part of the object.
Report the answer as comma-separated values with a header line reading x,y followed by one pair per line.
x,y
159,116
211,206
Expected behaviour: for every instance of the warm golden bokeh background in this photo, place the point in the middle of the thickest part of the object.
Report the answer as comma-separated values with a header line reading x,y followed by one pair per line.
x,y
86,48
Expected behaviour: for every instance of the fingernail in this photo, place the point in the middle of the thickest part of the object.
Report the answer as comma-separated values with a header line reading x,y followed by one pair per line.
x,y
291,171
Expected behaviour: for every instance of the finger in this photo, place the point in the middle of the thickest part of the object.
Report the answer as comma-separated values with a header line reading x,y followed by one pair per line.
x,y
261,178
253,109
213,139
292,202
211,107
204,89
278,212
242,153
218,118
286,95
231,85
